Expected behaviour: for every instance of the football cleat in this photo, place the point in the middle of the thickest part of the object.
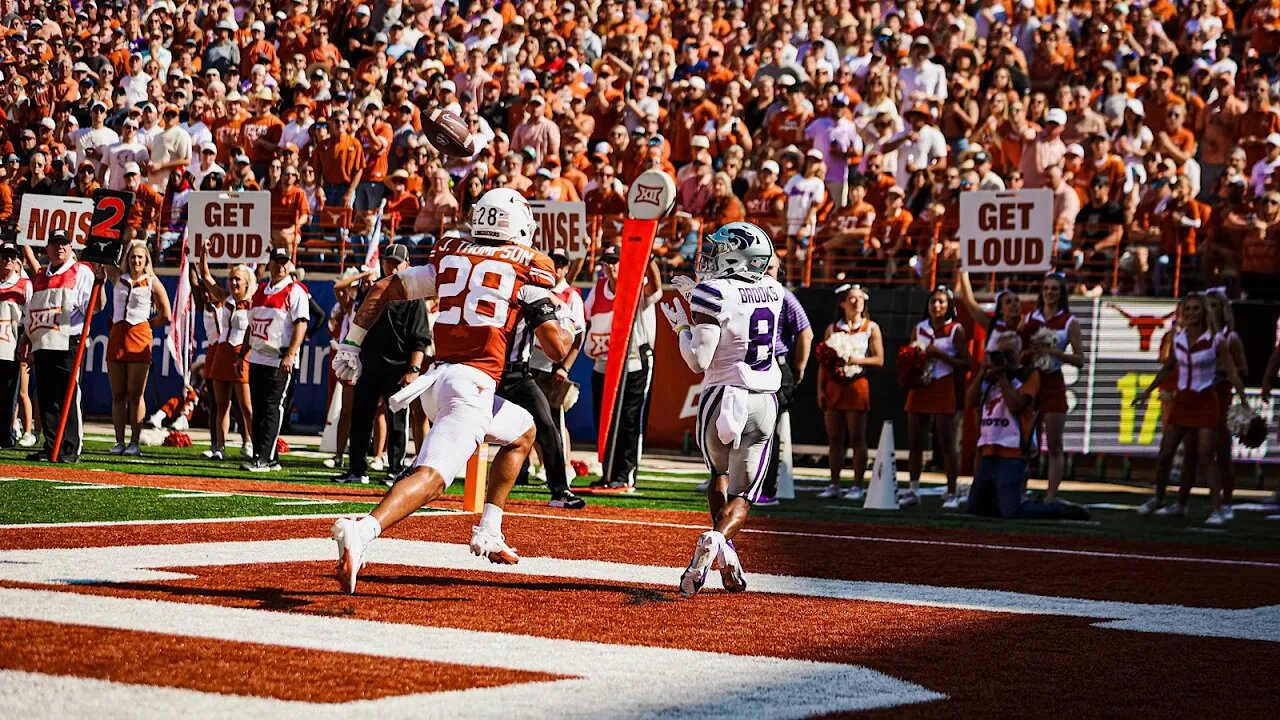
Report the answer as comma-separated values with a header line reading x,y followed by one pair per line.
x,y
351,553
567,500
1149,507
704,554
485,543
731,569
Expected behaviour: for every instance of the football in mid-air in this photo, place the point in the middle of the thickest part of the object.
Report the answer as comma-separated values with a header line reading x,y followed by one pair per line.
x,y
449,133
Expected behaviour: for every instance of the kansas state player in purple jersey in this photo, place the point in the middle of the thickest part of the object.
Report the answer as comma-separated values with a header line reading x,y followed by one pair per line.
x,y
730,339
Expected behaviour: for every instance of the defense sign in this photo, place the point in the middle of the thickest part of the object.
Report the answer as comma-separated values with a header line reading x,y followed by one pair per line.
x,y
1010,231
561,224
42,214
236,226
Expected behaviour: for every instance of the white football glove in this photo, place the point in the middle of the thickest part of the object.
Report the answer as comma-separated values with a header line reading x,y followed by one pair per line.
x,y
684,285
674,311
346,363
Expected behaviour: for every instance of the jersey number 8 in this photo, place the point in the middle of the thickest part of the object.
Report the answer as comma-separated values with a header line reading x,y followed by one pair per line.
x,y
478,294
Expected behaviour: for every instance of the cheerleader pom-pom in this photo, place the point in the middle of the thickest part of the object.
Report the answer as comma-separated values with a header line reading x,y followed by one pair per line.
x,y
282,447
911,367
177,439
1256,434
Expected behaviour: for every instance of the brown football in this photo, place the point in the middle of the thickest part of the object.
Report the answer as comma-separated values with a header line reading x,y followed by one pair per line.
x,y
449,133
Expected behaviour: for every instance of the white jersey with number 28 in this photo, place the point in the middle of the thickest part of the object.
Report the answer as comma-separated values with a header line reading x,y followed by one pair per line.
x,y
748,316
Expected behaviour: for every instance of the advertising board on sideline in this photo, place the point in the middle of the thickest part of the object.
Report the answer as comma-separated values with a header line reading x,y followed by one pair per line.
x,y
1006,231
236,226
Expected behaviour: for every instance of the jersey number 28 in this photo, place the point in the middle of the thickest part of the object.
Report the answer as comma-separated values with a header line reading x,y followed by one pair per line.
x,y
478,294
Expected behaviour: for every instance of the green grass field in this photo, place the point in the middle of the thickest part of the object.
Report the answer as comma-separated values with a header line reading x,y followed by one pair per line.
x,y
41,502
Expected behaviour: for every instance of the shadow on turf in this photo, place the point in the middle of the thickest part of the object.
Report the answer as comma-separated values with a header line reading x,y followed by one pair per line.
x,y
283,600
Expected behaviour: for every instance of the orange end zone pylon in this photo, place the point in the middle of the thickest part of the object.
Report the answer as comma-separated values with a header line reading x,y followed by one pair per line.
x,y
477,483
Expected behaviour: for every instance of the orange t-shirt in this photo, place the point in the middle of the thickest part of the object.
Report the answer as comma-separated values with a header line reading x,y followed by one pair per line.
x,y
268,126
788,127
375,161
287,206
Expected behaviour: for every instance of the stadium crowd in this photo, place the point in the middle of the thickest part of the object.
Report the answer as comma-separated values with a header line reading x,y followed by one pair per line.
x,y
843,127
846,129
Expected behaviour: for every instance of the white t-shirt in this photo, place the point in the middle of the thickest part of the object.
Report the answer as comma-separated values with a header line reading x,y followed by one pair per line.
x,y
297,134
802,195
88,138
929,79
170,145
200,133
1261,172
117,157
928,146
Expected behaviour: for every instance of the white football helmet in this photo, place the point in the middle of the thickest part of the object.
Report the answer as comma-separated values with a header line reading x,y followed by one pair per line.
x,y
738,248
502,216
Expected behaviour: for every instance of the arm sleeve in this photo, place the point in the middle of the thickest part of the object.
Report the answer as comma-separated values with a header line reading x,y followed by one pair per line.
x,y
698,345
419,282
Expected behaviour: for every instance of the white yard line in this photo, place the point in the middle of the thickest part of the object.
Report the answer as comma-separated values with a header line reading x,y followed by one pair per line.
x,y
188,495
911,541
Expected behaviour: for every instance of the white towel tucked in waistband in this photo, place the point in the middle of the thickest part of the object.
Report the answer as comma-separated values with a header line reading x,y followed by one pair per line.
x,y
414,390
732,419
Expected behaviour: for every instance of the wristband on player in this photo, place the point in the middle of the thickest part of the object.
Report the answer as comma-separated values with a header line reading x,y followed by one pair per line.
x,y
681,329
355,335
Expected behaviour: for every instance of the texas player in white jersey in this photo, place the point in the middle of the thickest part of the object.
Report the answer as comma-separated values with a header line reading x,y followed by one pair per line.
x,y
484,286
730,340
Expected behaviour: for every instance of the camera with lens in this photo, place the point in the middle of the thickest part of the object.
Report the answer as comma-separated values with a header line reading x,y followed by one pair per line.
x,y
1002,360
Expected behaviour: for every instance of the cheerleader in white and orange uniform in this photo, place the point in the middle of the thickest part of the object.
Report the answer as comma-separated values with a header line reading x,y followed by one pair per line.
x,y
947,347
1198,352
1220,492
1053,312
139,305
226,314
845,401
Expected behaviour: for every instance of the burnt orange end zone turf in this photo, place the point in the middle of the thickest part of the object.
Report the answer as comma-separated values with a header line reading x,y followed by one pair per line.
x,y
988,663
234,668
329,491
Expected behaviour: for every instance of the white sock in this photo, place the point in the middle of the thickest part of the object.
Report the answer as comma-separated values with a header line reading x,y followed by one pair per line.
x,y
491,518
369,527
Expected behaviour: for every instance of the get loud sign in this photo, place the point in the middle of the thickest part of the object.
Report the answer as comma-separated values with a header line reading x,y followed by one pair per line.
x,y
1006,231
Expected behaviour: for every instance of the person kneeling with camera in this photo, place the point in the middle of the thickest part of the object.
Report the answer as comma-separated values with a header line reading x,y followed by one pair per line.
x,y
1005,393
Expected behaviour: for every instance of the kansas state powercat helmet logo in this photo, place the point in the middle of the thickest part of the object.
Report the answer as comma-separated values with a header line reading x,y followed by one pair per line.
x,y
739,239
